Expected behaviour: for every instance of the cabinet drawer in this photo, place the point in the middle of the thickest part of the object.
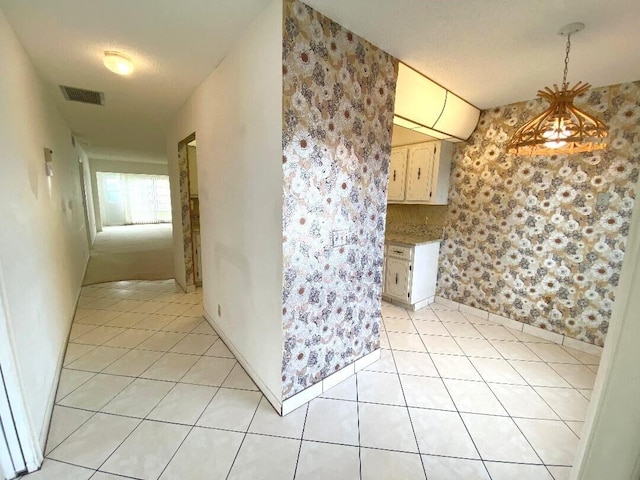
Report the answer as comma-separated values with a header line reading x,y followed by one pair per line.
x,y
399,251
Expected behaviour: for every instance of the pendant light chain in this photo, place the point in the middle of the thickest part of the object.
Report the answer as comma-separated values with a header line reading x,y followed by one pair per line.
x,y
566,61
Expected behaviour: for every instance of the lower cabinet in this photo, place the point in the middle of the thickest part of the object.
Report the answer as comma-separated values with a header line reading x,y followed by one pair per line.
x,y
410,274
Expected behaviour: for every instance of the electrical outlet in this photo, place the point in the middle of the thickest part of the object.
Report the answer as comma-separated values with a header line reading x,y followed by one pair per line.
x,y
339,238
602,200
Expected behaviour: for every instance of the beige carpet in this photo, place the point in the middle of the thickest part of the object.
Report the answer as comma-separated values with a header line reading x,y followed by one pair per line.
x,y
132,252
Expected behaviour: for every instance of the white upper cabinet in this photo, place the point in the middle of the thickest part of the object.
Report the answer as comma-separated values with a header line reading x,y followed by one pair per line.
x,y
397,174
420,172
428,166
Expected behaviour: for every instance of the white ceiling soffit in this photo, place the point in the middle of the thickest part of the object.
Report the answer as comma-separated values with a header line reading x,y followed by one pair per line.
x,y
174,46
495,52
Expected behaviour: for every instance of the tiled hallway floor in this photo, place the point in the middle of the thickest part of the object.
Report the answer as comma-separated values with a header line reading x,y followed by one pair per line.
x,y
149,391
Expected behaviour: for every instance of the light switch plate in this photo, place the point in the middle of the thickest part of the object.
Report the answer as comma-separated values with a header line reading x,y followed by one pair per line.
x,y
339,238
602,200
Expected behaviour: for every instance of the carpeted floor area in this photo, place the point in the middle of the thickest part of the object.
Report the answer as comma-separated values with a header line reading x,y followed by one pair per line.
x,y
131,252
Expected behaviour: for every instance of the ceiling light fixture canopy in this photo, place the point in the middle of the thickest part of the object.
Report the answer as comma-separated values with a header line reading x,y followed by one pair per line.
x,y
562,128
118,62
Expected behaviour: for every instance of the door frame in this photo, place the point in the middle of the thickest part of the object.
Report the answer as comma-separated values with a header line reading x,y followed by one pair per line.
x,y
185,211
24,442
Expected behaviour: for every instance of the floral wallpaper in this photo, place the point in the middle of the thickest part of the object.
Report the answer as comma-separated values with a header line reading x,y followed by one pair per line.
x,y
187,241
338,98
525,237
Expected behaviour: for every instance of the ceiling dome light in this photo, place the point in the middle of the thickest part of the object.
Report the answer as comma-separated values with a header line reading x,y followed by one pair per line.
x,y
118,62
562,128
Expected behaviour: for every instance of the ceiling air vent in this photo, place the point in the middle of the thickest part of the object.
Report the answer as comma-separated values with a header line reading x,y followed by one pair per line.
x,y
81,95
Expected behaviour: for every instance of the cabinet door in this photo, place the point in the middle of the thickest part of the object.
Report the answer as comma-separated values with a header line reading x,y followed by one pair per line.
x,y
397,279
420,172
397,172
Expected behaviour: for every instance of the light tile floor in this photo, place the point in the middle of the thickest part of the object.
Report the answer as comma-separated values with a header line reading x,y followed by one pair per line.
x,y
149,391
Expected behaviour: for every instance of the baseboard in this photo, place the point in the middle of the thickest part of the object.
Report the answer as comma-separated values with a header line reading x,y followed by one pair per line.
x,y
283,407
44,429
274,400
554,337
414,307
317,389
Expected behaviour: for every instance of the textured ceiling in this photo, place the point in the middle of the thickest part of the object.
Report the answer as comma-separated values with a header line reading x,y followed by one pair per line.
x,y
495,52
174,45
490,52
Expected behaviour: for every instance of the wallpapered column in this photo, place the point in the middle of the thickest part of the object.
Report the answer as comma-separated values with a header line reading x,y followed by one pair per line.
x,y
185,212
338,97
525,238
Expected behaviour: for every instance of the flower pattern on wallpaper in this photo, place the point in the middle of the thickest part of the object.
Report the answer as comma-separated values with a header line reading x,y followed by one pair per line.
x,y
525,236
185,213
338,96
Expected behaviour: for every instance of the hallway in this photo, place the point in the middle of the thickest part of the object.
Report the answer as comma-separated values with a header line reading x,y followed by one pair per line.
x,y
143,252
149,391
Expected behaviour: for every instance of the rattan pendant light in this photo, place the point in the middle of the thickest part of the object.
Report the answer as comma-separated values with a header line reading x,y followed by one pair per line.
x,y
562,128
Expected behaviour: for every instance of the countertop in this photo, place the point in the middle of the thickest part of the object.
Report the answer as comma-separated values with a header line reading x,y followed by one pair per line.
x,y
414,235
409,239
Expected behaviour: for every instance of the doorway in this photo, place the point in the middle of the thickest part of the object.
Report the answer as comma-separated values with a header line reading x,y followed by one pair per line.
x,y
190,210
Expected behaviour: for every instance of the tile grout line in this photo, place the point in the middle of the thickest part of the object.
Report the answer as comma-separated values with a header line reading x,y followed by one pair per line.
x,y
244,436
502,405
246,432
358,419
304,425
195,423
486,383
406,406
456,406
145,418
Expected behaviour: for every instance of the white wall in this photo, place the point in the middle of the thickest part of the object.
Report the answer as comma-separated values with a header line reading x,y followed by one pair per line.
x,y
610,444
43,243
237,116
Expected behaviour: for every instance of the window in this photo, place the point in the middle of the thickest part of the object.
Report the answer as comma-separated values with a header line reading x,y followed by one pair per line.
x,y
127,198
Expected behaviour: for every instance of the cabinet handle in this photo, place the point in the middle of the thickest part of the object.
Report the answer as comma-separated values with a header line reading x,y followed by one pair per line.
x,y
396,278
418,173
394,175
434,149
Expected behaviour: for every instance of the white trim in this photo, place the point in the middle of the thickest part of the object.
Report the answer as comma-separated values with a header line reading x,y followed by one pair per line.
x,y
523,327
317,389
506,322
44,429
340,376
542,333
582,346
31,449
368,359
274,400
283,407
476,312
447,303
300,398
409,306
